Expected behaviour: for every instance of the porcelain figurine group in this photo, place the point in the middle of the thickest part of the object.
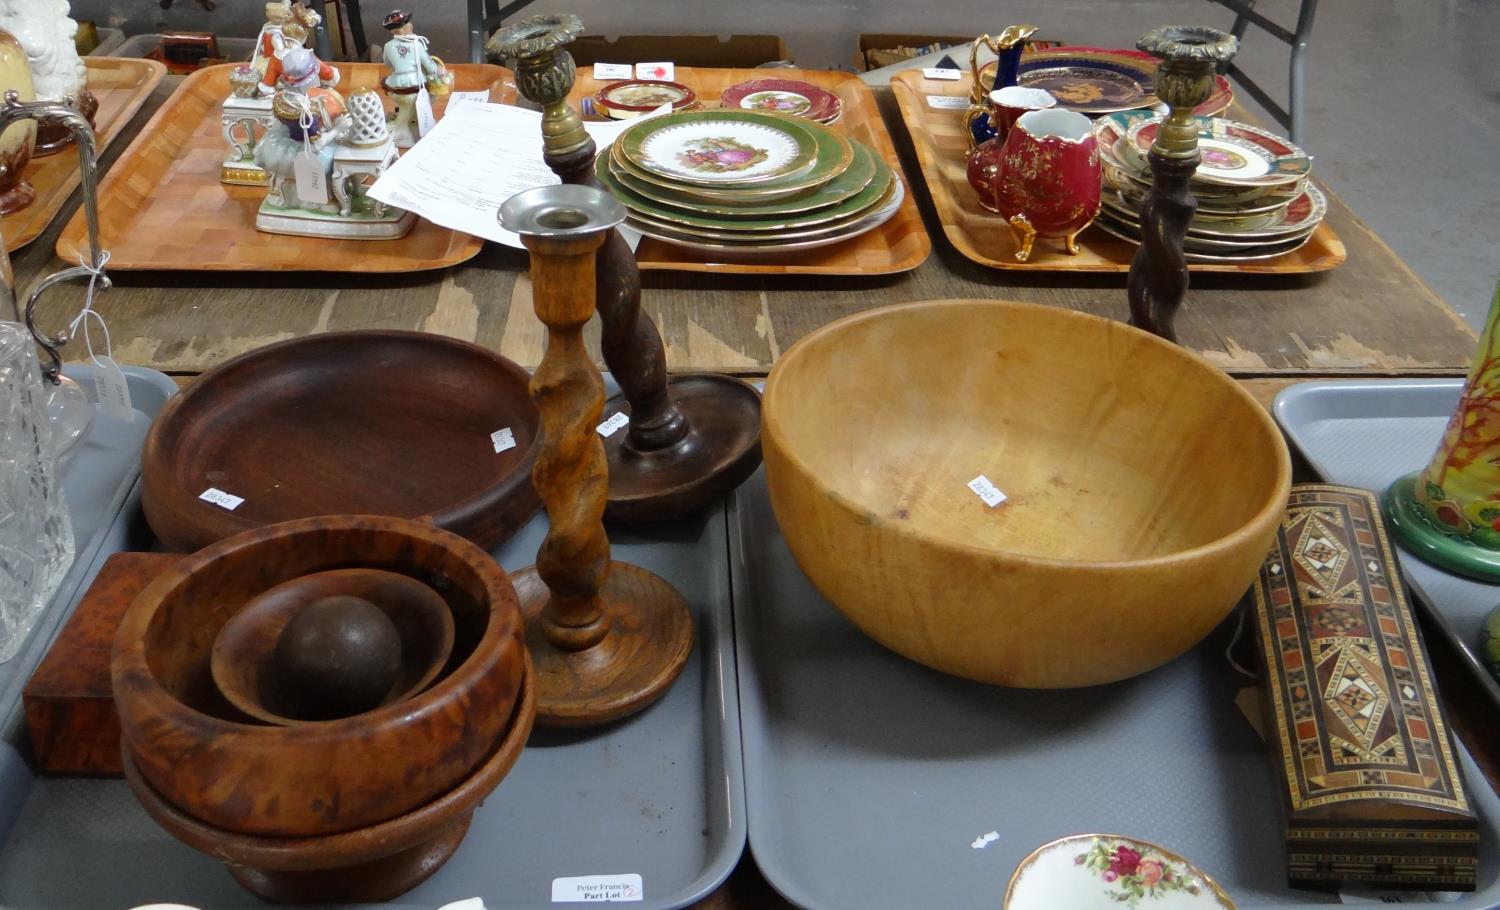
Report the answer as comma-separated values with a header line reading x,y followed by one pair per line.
x,y
288,128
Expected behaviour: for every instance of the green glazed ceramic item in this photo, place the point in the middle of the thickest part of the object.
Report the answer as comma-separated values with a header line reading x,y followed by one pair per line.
x,y
720,148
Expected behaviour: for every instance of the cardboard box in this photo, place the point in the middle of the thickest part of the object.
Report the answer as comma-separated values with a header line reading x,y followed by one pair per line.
x,y
876,50
683,50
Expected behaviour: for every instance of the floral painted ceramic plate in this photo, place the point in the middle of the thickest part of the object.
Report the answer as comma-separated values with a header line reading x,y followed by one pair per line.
x,y
783,96
834,155
839,196
633,97
1108,872
720,148
1234,154
777,247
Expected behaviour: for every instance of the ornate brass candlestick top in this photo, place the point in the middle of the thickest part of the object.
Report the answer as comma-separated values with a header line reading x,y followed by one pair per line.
x,y
692,439
606,638
1158,273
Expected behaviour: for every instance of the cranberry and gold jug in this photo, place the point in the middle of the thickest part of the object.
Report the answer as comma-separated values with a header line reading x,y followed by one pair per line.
x,y
1047,183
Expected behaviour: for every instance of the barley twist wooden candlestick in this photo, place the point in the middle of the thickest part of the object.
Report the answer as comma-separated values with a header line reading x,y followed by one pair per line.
x,y
1158,273
606,638
692,439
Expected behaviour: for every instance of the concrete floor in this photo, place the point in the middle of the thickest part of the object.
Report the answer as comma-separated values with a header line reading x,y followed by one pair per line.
x,y
1404,97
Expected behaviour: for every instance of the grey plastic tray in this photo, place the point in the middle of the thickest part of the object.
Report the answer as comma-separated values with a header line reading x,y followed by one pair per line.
x,y
1369,433
868,776
661,794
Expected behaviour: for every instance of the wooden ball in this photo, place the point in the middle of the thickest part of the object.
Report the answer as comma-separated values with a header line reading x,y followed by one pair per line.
x,y
341,655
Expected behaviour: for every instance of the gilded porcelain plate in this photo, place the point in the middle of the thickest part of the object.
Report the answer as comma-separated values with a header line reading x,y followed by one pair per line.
x,y
1111,224
783,96
833,156
1110,872
825,223
864,225
855,189
1233,154
639,96
720,148
1087,89
1131,64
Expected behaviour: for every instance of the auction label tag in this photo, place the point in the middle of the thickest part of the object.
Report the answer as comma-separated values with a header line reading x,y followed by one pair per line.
x,y
503,439
112,390
597,889
942,74
220,498
608,71
426,120
986,491
947,102
458,99
664,71
312,180
614,423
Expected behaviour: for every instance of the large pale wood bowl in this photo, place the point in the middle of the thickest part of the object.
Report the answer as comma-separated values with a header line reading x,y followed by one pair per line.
x,y
1144,487
213,763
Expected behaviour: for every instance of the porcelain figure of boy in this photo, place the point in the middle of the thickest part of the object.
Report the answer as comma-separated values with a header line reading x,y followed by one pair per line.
x,y
409,68
288,25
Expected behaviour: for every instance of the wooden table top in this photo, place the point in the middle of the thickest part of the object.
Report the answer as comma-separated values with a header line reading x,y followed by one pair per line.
x,y
1371,317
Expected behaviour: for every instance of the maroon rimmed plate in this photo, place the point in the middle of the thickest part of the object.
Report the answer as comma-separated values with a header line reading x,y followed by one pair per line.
x,y
782,96
641,96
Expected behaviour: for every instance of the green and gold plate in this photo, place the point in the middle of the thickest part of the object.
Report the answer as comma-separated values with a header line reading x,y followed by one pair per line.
x,y
720,148
750,218
767,232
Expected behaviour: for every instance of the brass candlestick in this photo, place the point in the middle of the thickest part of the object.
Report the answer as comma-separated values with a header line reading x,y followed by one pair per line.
x,y
1158,273
691,439
606,638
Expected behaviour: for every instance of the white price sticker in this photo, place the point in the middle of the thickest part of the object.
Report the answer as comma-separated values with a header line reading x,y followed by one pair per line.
x,y
615,422
609,71
220,498
503,439
984,840
426,120
942,74
664,70
1383,897
986,491
312,179
111,390
947,102
597,889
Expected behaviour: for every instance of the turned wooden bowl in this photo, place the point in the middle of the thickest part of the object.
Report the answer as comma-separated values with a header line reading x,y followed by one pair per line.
x,y
211,762
244,656
1143,487
366,865
345,423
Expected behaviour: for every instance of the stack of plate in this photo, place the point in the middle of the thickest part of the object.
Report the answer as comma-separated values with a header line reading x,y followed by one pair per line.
x,y
634,97
738,181
784,96
1254,199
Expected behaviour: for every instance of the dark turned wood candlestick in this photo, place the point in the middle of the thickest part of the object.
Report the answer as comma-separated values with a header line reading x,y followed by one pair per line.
x,y
606,638
1158,274
691,439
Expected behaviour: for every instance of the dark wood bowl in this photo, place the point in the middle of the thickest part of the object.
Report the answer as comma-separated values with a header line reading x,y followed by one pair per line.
x,y
206,758
346,423
243,659
366,865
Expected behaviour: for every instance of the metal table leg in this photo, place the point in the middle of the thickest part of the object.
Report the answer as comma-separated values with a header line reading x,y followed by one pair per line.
x,y
1294,116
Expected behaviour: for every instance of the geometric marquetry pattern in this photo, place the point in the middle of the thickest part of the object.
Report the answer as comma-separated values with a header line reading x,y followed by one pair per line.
x,y
1351,696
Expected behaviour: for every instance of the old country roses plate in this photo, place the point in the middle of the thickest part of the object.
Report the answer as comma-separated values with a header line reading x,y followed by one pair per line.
x,y
1110,872
720,148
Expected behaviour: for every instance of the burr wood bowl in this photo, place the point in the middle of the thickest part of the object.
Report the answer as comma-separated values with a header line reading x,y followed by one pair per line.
x,y
1143,487
374,863
231,772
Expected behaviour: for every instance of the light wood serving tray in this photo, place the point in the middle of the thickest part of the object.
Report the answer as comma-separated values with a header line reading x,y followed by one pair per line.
x,y
162,205
984,237
122,85
898,245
